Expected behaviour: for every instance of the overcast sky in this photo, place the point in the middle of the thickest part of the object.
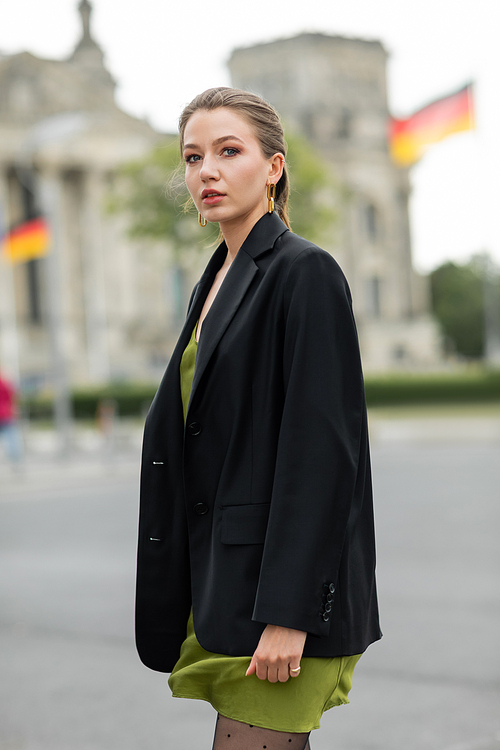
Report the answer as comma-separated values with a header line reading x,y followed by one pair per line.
x,y
163,53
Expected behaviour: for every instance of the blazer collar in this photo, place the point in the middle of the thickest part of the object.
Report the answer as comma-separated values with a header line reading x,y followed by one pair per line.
x,y
263,235
229,297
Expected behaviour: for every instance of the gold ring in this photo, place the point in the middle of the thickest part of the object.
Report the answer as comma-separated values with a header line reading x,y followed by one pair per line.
x,y
297,670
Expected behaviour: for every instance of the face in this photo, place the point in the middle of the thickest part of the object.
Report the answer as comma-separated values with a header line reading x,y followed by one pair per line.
x,y
226,171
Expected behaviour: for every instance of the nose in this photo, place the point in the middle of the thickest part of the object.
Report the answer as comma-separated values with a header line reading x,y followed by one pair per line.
x,y
209,169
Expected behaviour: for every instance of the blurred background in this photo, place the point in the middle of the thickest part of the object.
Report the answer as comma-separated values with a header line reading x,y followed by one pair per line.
x,y
391,114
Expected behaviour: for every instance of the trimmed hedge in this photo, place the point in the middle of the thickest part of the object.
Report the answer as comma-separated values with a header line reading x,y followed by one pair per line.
x,y
129,400
133,400
400,389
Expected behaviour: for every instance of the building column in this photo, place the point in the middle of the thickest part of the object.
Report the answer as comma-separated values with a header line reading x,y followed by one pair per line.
x,y
49,191
94,281
9,339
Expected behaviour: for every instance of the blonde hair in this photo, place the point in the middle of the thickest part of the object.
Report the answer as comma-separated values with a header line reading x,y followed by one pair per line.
x,y
261,116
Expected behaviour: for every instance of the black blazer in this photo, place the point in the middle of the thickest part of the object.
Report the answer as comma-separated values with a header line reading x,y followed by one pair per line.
x,y
259,510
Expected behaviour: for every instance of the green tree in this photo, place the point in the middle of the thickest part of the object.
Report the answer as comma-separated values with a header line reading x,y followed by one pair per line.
x,y
314,192
457,302
151,191
152,194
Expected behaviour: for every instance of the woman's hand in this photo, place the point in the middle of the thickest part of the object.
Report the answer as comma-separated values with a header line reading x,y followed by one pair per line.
x,y
279,651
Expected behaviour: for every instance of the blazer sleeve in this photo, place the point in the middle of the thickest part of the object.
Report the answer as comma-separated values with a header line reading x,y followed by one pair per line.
x,y
318,448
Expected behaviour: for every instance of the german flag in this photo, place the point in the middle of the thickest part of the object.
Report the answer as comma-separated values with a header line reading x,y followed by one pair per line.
x,y
410,138
26,241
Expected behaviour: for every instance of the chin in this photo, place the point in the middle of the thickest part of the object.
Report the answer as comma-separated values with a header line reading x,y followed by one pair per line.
x,y
221,218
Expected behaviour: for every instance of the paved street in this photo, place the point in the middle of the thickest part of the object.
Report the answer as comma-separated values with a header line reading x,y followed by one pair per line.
x,y
69,675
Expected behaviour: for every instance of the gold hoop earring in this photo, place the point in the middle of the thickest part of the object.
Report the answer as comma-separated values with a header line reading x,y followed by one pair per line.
x,y
271,195
202,221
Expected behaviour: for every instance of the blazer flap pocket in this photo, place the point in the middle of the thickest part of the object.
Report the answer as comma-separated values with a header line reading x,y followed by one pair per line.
x,y
244,524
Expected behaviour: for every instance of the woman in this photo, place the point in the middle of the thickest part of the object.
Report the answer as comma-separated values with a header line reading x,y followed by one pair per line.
x,y
256,545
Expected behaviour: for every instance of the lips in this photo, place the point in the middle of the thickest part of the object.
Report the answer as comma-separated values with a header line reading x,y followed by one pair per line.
x,y
211,197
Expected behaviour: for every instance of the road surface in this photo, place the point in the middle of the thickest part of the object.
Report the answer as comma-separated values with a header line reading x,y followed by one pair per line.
x,y
69,675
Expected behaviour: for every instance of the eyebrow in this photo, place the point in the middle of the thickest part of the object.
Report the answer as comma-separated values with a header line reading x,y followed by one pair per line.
x,y
217,142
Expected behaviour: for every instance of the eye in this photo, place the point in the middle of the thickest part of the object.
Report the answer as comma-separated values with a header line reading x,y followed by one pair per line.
x,y
230,151
191,158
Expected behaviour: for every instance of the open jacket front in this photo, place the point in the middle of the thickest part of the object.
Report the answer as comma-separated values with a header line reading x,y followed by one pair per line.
x,y
259,509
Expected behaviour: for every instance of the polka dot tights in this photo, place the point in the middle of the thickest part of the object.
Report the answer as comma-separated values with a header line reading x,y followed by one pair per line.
x,y
234,735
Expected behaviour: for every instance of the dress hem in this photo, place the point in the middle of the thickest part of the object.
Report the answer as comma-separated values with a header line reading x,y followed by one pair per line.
x,y
255,722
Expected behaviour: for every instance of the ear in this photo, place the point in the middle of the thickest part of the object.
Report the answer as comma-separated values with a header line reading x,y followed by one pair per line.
x,y
276,164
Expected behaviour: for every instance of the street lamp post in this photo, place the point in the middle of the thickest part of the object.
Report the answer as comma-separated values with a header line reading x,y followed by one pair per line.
x,y
491,308
49,200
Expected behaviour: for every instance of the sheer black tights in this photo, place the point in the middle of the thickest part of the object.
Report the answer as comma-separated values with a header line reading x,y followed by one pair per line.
x,y
234,735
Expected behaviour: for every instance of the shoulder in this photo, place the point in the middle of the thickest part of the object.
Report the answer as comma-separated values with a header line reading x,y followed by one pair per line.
x,y
304,263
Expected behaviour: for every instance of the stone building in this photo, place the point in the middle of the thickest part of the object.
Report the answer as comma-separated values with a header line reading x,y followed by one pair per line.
x,y
332,90
62,138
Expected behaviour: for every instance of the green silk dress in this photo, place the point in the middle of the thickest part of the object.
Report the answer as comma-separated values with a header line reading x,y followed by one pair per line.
x,y
293,706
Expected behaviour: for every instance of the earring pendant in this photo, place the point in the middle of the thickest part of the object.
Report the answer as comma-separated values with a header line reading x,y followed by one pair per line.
x,y
202,221
271,195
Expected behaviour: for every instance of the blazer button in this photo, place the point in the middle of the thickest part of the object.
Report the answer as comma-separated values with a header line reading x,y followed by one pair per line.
x,y
331,588
328,607
325,617
200,509
194,428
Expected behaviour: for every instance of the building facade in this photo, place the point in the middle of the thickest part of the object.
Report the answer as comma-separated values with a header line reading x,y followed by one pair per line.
x,y
332,90
62,139
109,303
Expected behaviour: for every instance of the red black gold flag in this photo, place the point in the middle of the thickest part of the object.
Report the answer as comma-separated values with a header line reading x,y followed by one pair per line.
x,y
27,241
409,139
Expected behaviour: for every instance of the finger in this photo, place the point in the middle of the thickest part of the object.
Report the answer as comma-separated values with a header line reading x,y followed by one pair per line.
x,y
283,674
251,668
272,674
261,671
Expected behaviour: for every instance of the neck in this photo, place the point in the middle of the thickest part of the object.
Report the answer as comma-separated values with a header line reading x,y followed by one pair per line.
x,y
235,232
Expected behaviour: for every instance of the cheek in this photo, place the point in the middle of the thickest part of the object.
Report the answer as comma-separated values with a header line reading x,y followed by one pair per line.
x,y
253,178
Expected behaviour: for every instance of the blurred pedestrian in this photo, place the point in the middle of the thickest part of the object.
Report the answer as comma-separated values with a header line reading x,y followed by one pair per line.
x,y
9,427
256,558
106,421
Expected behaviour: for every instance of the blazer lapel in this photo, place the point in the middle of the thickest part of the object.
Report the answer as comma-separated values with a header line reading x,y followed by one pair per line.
x,y
199,297
227,301
233,289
